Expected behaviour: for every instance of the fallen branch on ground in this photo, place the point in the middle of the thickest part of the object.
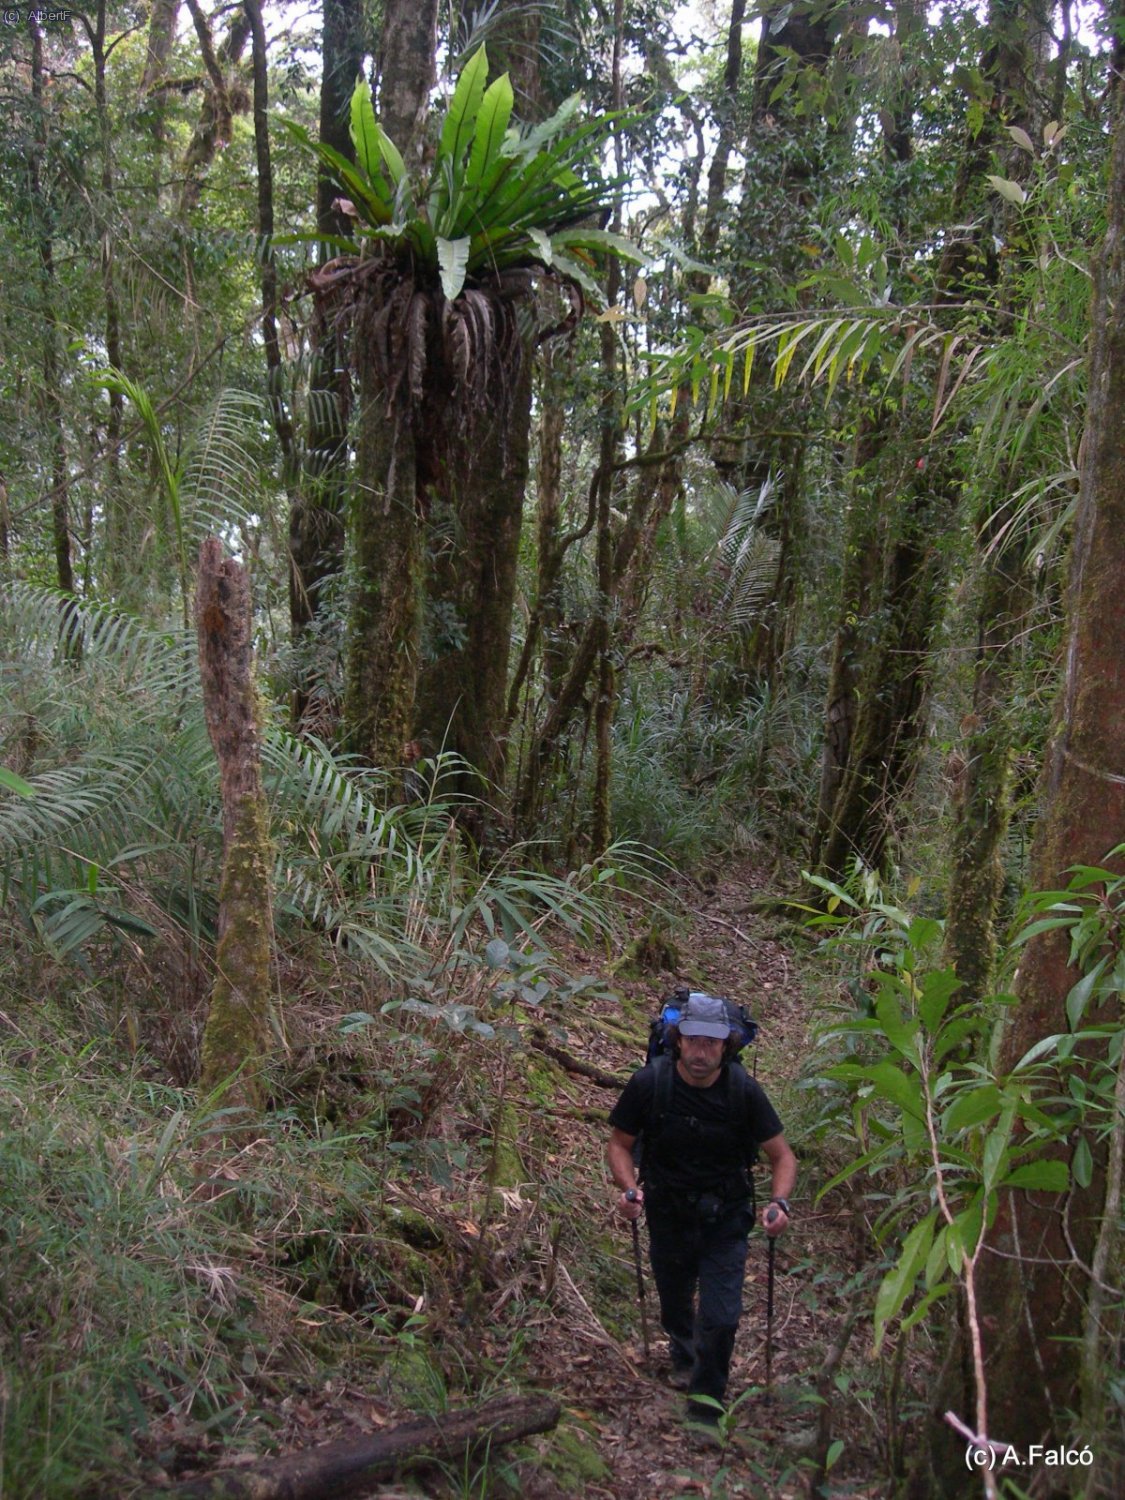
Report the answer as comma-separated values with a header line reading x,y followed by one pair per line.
x,y
574,1064
349,1466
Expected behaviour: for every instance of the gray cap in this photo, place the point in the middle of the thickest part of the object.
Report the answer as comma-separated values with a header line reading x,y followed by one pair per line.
x,y
704,1016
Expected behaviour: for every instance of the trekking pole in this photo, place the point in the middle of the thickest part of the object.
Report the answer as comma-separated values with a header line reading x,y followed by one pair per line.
x,y
631,1197
771,1215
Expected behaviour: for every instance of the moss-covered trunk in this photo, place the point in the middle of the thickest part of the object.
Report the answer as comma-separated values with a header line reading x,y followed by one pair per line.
x,y
316,518
860,576
892,687
387,556
1083,815
462,693
236,1034
982,798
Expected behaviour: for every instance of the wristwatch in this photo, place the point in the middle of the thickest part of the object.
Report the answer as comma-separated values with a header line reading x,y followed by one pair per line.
x,y
783,1204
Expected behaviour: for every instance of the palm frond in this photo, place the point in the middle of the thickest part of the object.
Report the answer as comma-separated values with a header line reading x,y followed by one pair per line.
x,y
154,664
221,473
748,556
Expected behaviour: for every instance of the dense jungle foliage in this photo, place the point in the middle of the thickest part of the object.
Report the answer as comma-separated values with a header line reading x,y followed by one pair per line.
x,y
506,509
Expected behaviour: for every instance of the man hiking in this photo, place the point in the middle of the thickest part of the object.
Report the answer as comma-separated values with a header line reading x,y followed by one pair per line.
x,y
701,1120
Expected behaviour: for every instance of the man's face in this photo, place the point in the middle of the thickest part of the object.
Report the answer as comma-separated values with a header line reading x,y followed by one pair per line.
x,y
701,1056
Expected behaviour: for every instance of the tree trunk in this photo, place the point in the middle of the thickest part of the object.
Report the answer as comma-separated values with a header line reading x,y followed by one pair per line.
x,y
222,100
860,577
161,38
316,517
463,689
1083,815
120,563
654,494
407,72
237,1031
463,692
388,551
982,792
275,373
387,521
52,371
889,702
775,223
982,788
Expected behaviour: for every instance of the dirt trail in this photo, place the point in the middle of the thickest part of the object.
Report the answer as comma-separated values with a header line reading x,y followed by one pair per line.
x,y
626,1407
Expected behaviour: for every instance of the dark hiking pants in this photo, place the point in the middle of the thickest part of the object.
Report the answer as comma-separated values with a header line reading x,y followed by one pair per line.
x,y
698,1268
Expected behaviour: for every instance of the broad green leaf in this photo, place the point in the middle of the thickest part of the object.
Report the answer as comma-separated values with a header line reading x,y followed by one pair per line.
x,y
935,1261
496,953
580,275
600,239
972,1107
126,922
1083,1163
365,134
391,156
923,931
963,1235
457,128
1011,192
364,194
832,888
899,1032
491,129
13,783
1079,997
921,1308
938,988
1041,1176
1045,924
542,243
541,134
1022,139
1084,875
453,262
899,1281
996,1144
887,1080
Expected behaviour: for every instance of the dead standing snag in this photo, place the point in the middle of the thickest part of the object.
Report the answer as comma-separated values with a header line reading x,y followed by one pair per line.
x,y
235,1036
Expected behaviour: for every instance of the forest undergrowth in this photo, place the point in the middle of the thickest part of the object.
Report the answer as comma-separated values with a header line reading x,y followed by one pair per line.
x,y
420,1221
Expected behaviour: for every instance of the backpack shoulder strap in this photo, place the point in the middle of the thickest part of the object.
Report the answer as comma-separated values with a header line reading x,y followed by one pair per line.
x,y
738,1085
740,1105
664,1069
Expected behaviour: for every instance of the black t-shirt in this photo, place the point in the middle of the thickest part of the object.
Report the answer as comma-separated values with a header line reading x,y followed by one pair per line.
x,y
707,1137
